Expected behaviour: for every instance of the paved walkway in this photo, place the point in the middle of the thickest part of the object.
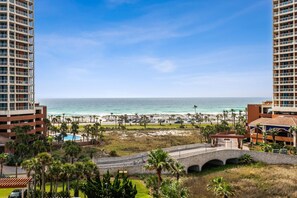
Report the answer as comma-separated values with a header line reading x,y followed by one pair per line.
x,y
10,171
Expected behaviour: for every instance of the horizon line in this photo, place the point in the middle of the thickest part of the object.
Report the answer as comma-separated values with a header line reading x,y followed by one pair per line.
x,y
154,97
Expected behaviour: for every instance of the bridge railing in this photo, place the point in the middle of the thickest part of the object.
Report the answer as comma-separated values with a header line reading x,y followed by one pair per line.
x,y
143,155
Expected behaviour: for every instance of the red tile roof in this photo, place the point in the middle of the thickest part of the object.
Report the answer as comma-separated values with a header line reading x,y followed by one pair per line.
x,y
278,121
14,182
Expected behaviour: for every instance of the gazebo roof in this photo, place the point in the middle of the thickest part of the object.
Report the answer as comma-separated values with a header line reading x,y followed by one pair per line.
x,y
222,135
14,182
278,121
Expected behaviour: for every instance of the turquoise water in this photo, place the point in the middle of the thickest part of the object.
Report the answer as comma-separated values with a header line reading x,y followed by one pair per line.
x,y
70,137
105,106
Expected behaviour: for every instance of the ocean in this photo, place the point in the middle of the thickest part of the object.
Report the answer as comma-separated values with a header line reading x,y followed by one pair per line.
x,y
105,106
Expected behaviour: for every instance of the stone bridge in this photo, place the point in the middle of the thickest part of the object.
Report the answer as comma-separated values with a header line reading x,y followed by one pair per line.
x,y
196,162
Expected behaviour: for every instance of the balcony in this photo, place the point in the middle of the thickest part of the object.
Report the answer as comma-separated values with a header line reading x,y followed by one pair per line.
x,y
24,39
22,99
22,56
286,58
286,42
286,26
3,8
285,19
22,13
22,91
285,11
22,30
286,105
21,4
3,26
3,108
285,3
24,22
22,73
284,90
287,97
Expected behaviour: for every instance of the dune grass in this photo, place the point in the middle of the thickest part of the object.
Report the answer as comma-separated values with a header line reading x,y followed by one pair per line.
x,y
127,142
257,180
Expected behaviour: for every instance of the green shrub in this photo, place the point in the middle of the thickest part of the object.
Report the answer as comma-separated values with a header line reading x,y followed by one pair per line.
x,y
113,153
246,159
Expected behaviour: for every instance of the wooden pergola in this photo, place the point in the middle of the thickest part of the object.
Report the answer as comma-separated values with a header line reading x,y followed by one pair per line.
x,y
214,138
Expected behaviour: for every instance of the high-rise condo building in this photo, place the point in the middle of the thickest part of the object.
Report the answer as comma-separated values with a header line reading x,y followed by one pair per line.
x,y
17,104
284,57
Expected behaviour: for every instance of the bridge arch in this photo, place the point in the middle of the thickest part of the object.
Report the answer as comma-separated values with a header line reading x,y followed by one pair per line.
x,y
212,163
232,161
193,169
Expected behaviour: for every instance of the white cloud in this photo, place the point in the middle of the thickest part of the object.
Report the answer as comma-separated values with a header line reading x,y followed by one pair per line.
x,y
164,66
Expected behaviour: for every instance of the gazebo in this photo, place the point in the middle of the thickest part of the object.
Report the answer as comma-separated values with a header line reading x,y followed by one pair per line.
x,y
214,138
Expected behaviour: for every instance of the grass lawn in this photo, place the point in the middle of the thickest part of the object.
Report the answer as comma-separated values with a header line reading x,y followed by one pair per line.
x,y
258,180
142,191
5,192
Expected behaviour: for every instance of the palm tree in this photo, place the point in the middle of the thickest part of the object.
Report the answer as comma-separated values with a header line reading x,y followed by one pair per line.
x,y
74,129
64,129
257,132
158,160
45,159
218,117
293,133
10,145
3,158
177,169
87,129
50,141
220,187
36,167
68,120
72,149
55,171
195,108
38,147
78,172
28,165
89,169
273,132
233,115
69,171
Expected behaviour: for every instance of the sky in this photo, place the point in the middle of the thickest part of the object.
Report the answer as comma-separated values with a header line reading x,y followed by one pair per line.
x,y
153,48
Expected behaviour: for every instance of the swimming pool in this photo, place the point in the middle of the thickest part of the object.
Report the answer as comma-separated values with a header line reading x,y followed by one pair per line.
x,y
70,137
